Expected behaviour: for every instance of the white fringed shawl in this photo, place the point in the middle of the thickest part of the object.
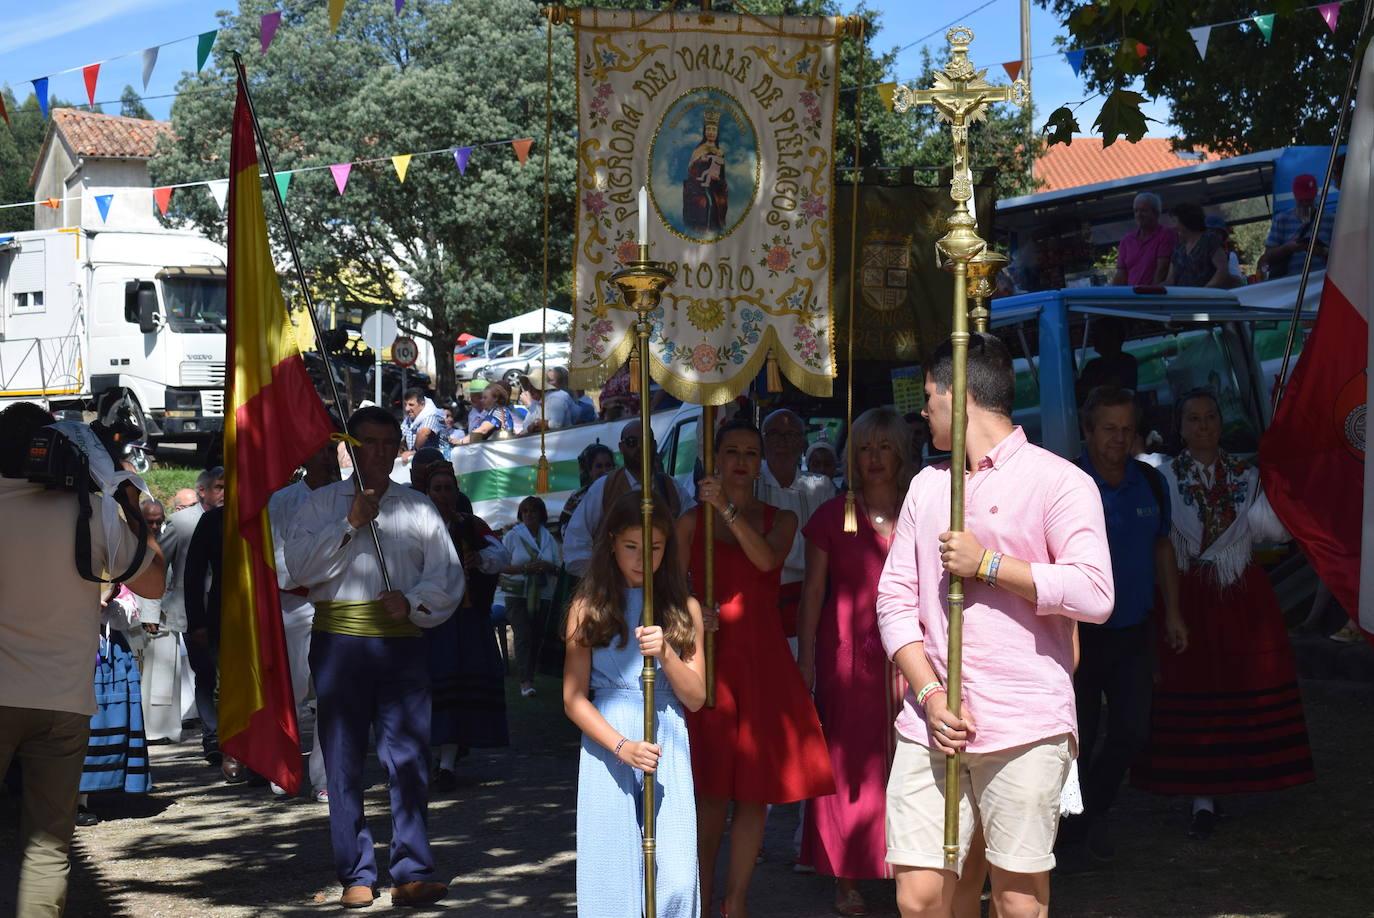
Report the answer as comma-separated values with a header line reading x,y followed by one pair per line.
x,y
1227,557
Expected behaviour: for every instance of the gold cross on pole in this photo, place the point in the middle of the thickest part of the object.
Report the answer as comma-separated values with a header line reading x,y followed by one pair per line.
x,y
961,97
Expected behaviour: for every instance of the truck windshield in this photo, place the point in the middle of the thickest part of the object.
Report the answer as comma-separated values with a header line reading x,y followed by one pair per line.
x,y
195,303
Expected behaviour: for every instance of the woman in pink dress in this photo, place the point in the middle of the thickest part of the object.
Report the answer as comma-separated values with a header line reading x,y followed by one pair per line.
x,y
858,690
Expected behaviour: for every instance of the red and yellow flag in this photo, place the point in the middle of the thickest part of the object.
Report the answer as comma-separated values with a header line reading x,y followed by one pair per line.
x,y
274,422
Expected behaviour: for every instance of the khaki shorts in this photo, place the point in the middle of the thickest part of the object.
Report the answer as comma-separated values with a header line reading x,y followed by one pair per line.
x,y
1013,794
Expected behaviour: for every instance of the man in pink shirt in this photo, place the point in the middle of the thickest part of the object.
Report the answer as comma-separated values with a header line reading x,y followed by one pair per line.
x,y
1142,259
1035,558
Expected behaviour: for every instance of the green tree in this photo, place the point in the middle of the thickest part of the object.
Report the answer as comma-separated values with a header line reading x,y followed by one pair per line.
x,y
437,76
19,148
131,105
1248,94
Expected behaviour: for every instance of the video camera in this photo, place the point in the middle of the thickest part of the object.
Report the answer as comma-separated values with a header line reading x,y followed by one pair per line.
x,y
59,463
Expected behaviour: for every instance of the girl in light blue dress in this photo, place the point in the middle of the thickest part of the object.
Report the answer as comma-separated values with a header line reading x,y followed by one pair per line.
x,y
603,695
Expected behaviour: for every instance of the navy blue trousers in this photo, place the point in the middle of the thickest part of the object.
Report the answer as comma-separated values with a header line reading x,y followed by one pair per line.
x,y
362,681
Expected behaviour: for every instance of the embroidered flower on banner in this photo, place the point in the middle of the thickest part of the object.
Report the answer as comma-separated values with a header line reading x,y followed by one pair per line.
x,y
627,251
706,314
600,110
813,207
779,258
807,345
594,201
704,358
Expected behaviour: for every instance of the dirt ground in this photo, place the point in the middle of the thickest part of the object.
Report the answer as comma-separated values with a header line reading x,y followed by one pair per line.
x,y
505,840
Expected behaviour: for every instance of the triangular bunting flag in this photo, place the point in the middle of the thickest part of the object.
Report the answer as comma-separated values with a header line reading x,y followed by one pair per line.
x,y
1013,69
54,203
1266,25
1329,12
402,163
163,197
204,43
4,114
283,180
340,173
399,4
1141,49
220,189
1075,59
40,89
335,14
103,201
149,62
522,149
1201,35
461,157
270,21
885,92
90,73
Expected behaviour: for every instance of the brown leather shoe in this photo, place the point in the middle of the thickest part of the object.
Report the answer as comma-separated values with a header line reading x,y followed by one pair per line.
x,y
356,897
418,892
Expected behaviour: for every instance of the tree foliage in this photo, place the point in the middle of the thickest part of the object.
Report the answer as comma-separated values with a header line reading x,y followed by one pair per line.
x,y
1248,94
437,76
19,146
131,104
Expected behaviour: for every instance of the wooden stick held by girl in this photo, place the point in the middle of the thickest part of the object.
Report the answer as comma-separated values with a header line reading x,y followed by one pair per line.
x,y
606,647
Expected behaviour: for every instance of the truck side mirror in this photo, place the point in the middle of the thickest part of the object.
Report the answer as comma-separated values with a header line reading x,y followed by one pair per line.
x,y
140,305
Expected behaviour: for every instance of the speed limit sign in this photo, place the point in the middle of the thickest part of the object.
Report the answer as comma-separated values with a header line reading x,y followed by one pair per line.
x,y
404,351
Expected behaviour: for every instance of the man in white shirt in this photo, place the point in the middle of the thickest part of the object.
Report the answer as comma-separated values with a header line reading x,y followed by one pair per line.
x,y
581,531
367,655
422,423
49,628
298,615
784,485
550,407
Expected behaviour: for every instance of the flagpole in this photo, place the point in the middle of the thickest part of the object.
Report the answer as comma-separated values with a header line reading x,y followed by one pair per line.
x,y
1342,119
305,291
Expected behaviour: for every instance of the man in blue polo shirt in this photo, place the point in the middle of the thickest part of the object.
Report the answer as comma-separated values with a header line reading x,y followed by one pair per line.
x,y
1115,657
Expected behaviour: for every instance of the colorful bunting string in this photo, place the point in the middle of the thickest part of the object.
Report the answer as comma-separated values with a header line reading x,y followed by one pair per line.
x,y
103,202
1201,36
341,175
220,189
1329,12
335,14
162,197
401,164
40,89
460,156
149,62
4,114
1075,59
268,29
204,42
90,73
1013,69
283,180
522,149
1265,24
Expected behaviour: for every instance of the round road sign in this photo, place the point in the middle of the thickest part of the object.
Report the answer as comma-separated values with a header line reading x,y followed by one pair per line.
x,y
404,351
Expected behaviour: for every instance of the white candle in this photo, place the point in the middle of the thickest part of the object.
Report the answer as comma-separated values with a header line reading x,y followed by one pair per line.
x,y
643,215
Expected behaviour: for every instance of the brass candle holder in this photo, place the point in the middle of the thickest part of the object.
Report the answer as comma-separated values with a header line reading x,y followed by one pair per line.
x,y
641,283
983,269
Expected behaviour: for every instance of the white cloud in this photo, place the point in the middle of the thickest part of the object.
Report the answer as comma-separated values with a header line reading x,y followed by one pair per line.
x,y
55,21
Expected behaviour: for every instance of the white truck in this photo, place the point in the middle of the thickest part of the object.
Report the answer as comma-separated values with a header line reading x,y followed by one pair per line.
x,y
90,321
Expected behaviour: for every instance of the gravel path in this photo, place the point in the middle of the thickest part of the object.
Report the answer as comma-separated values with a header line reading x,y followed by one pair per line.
x,y
197,846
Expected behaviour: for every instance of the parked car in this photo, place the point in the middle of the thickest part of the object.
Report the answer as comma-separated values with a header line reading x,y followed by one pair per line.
x,y
510,369
471,368
474,348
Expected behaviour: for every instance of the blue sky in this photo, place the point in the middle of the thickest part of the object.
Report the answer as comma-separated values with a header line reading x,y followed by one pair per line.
x,y
64,34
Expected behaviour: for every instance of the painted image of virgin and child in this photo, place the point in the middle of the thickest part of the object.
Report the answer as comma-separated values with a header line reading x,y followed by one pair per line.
x,y
705,192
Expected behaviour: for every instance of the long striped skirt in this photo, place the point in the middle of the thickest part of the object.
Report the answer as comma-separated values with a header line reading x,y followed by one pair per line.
x,y
117,754
1227,716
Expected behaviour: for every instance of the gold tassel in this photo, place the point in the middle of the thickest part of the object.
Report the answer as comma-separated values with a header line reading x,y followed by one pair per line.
x,y
634,373
851,512
774,376
541,485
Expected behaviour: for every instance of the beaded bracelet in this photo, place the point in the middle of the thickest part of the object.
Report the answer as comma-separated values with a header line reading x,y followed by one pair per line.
x,y
993,567
930,688
623,741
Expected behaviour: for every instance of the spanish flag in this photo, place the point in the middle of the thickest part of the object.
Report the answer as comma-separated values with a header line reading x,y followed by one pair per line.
x,y
274,422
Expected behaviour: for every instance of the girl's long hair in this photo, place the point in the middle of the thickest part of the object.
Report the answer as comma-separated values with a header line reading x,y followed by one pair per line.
x,y
602,589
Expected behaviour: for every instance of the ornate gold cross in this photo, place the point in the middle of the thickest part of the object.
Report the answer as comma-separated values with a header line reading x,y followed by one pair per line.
x,y
961,96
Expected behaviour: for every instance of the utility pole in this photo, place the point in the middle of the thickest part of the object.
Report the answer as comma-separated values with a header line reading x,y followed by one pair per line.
x,y
1026,75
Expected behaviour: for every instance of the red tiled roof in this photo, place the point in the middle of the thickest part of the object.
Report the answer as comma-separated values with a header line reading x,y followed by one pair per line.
x,y
1086,161
112,136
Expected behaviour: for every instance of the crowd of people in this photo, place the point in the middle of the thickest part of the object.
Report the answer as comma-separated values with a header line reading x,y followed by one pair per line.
x,y
831,645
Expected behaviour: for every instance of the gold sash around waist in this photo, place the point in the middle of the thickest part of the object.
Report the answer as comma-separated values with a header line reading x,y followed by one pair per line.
x,y
360,619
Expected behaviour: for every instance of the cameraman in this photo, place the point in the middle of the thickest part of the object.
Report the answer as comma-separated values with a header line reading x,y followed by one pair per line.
x,y
49,625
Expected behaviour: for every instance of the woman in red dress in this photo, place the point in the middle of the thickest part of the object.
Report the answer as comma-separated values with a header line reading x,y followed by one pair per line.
x,y
762,742
858,690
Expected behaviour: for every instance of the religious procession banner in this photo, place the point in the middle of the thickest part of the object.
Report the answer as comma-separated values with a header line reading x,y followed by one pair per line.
x,y
903,297
729,120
